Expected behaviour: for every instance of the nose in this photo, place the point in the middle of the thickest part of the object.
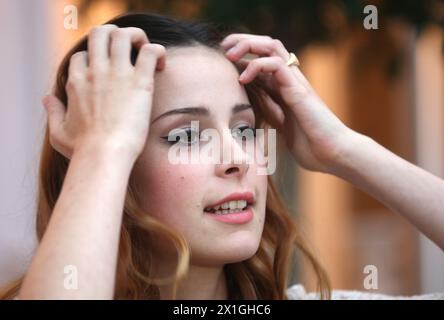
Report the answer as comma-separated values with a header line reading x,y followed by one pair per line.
x,y
233,161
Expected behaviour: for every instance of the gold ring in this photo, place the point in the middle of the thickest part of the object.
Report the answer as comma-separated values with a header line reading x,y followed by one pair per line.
x,y
293,60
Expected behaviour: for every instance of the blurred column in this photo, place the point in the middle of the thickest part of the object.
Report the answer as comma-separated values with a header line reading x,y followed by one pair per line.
x,y
323,200
429,85
23,81
366,80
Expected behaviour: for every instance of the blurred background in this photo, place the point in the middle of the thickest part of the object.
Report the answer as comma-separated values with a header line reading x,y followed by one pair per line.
x,y
386,83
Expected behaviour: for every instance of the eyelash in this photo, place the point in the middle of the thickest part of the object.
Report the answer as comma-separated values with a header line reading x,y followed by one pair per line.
x,y
189,132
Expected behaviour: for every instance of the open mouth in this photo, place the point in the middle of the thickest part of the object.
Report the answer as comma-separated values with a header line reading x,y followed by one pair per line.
x,y
234,206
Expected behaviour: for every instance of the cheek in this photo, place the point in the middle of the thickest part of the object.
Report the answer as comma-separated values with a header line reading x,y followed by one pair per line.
x,y
172,193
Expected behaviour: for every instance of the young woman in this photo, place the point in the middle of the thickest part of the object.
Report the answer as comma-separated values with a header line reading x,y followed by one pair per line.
x,y
130,224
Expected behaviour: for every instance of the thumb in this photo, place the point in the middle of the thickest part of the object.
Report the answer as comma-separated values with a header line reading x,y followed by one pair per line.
x,y
55,110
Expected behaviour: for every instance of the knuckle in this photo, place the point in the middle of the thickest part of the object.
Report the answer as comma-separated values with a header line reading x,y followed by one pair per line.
x,y
58,146
160,48
231,36
77,55
74,76
95,31
134,30
276,44
71,84
119,32
245,43
108,26
145,48
98,30
150,48
95,73
254,64
92,75
74,81
54,140
277,60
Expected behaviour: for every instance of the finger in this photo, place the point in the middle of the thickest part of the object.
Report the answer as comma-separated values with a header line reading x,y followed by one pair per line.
x,y
78,64
275,65
98,44
242,63
234,38
151,56
122,40
259,46
55,110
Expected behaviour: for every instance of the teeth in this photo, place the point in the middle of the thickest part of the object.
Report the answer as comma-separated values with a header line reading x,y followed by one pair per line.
x,y
233,205
227,211
230,206
241,204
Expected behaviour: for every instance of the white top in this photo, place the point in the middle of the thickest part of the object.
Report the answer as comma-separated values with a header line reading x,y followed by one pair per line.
x,y
297,292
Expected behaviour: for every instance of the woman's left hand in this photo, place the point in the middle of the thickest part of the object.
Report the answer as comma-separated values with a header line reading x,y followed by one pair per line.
x,y
313,134
321,142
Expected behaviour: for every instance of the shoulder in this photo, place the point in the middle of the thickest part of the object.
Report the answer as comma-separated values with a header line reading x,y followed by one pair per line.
x,y
297,292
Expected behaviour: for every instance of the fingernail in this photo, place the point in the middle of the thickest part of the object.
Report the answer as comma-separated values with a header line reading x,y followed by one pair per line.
x,y
232,51
242,76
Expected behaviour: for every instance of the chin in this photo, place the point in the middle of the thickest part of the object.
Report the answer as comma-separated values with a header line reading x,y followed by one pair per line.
x,y
231,250
241,254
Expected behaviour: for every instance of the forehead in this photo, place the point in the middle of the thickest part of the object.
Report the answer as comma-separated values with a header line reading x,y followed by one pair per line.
x,y
197,76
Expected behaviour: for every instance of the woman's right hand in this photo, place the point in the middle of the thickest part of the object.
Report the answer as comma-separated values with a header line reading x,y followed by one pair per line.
x,y
109,99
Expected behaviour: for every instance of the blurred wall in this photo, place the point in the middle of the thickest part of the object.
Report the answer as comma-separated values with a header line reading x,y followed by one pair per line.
x,y
23,80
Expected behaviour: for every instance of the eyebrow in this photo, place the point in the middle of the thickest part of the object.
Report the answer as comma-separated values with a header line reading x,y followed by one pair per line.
x,y
202,111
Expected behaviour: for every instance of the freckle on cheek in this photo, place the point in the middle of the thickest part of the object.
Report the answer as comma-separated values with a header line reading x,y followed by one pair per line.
x,y
182,177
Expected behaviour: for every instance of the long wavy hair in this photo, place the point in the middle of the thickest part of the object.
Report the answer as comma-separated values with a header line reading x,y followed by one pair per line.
x,y
263,276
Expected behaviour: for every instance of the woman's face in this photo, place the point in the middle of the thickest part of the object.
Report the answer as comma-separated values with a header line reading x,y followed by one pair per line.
x,y
177,194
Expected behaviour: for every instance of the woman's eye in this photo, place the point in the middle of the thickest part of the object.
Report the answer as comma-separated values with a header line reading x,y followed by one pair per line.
x,y
185,136
244,132
188,136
